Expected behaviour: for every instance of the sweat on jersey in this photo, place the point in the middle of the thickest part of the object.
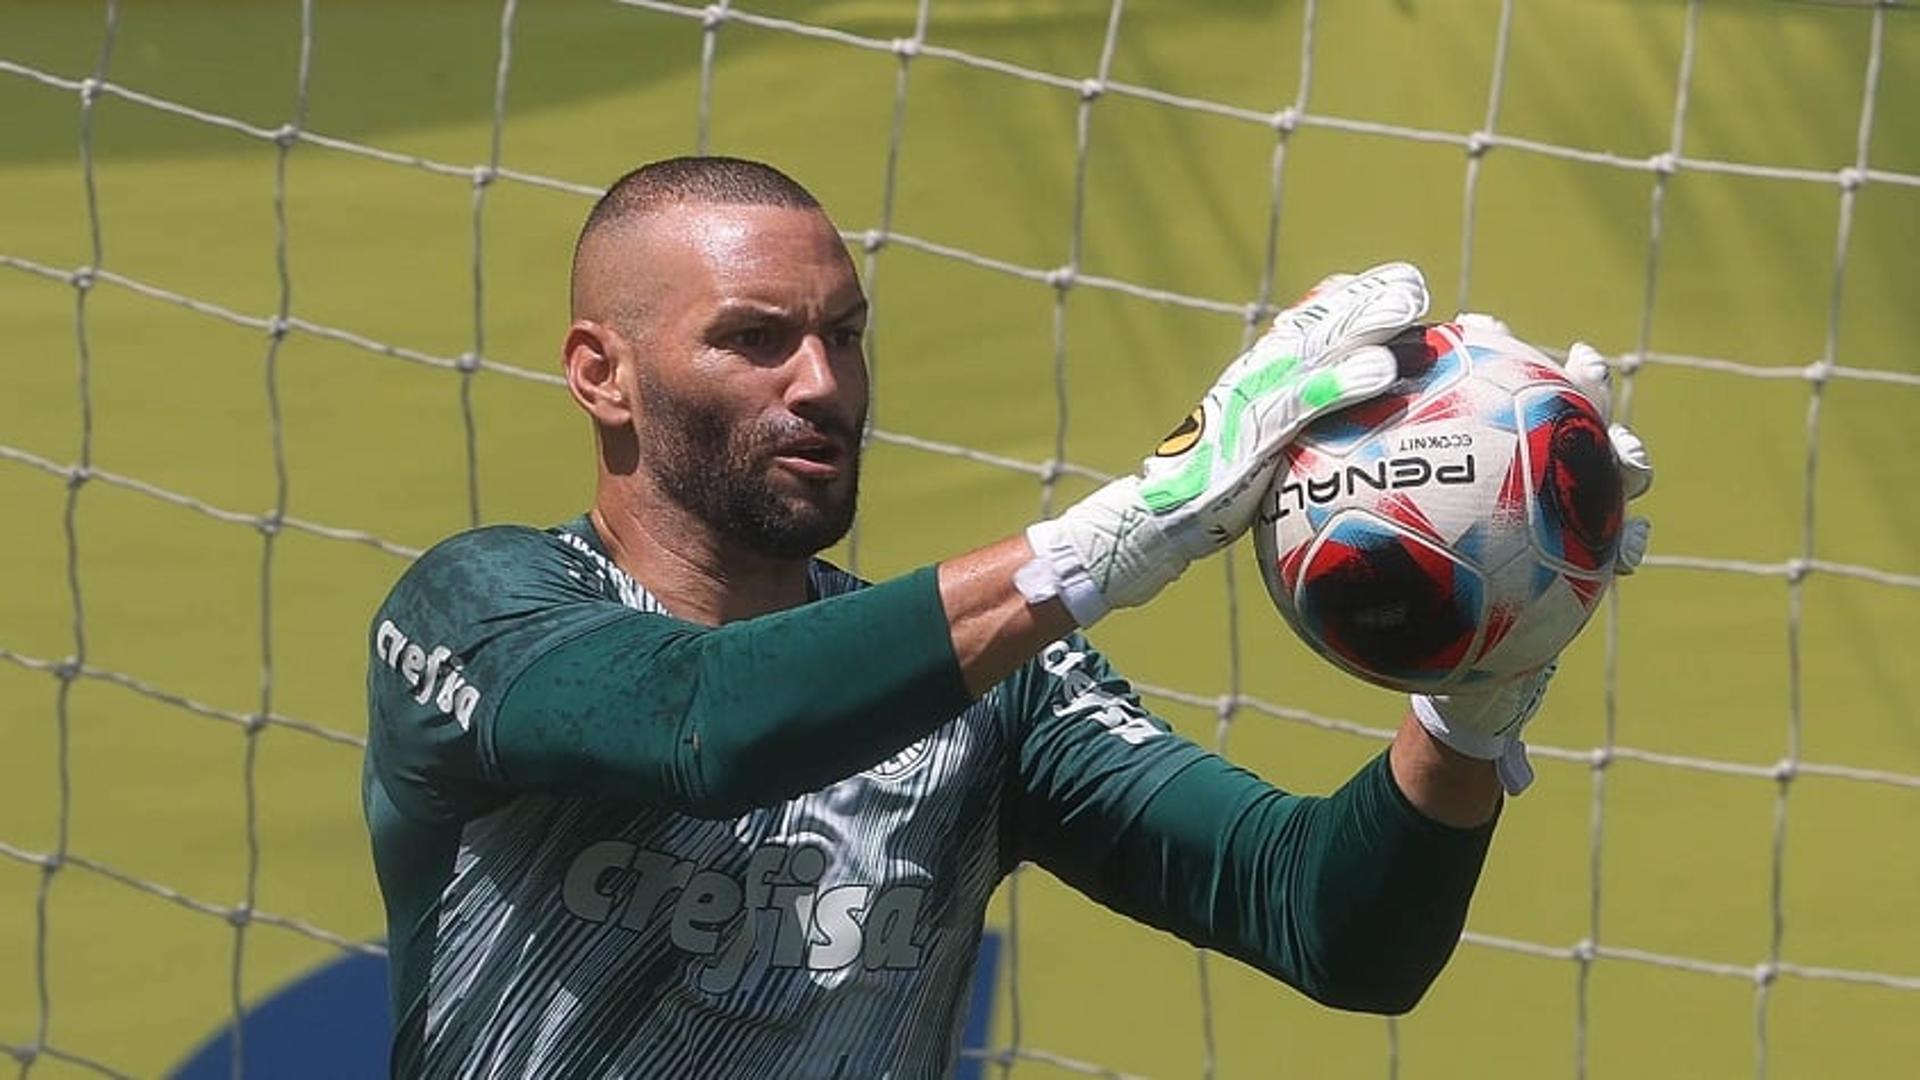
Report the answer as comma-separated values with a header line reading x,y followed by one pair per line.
x,y
613,843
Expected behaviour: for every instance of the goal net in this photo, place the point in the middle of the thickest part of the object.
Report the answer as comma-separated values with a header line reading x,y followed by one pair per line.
x,y
282,285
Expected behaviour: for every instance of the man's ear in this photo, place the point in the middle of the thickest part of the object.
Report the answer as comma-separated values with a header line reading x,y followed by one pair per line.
x,y
592,358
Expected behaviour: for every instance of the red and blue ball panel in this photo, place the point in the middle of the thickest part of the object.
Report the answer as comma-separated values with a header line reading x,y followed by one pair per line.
x,y
1384,601
1578,502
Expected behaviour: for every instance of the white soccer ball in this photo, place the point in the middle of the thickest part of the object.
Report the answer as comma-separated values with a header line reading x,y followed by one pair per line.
x,y
1459,528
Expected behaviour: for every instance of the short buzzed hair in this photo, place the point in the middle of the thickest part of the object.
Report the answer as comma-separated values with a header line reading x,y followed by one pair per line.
x,y
695,179
725,181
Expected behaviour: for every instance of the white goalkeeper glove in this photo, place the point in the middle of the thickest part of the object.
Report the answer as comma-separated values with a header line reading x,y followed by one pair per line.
x,y
1199,491
1487,722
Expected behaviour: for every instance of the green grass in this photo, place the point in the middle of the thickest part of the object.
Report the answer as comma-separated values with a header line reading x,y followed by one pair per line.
x,y
1174,199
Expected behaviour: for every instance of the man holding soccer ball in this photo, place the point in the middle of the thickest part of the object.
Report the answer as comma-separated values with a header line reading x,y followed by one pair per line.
x,y
656,793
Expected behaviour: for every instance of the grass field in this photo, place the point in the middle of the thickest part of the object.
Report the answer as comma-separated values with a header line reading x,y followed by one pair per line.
x,y
1175,199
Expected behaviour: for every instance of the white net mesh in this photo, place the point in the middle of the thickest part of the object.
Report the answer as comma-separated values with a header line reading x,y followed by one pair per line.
x,y
280,322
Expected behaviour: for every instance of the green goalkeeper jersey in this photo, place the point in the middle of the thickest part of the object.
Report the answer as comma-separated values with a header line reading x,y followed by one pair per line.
x,y
614,843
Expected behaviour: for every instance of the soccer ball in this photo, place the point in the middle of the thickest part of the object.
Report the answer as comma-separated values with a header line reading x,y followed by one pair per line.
x,y
1457,529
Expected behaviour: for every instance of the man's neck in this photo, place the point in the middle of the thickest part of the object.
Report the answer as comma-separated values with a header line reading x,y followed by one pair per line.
x,y
698,576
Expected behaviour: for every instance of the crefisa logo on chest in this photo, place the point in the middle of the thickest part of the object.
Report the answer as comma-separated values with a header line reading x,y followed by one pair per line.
x,y
781,910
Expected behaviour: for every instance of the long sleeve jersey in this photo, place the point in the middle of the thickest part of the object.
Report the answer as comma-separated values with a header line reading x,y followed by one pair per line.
x,y
616,843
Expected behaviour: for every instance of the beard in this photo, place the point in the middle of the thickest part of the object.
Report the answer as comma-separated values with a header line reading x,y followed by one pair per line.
x,y
720,472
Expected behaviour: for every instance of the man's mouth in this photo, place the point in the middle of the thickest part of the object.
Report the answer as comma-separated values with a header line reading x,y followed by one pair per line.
x,y
815,457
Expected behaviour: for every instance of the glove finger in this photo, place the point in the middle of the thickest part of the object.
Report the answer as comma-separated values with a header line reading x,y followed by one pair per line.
x,y
1480,320
1329,310
1278,417
1326,285
1247,401
1369,310
1356,376
1587,369
1373,278
1633,545
1630,455
1395,271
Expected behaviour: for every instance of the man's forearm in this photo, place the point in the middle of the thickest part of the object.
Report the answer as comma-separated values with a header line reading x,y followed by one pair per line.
x,y
1356,898
1442,783
994,628
712,721
1386,888
715,721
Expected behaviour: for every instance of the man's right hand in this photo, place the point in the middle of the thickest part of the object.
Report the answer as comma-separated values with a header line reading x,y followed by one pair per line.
x,y
1487,721
1200,489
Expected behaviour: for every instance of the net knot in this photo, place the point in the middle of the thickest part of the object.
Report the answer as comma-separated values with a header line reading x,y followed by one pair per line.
x,y
1785,770
1479,143
240,915
82,278
68,669
1224,708
1600,757
1091,89
1665,164
1255,313
278,326
89,91
285,136
484,175
1851,178
25,1055
906,48
1629,363
467,361
712,16
78,475
1797,570
873,240
1765,973
1286,120
253,722
1061,277
1819,371
1050,471
269,523
1584,951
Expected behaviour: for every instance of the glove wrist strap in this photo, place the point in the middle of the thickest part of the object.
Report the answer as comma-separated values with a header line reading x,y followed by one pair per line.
x,y
1056,571
1507,752
1513,768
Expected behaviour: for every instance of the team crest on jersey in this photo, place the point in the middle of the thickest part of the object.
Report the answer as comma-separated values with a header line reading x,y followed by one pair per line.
x,y
901,763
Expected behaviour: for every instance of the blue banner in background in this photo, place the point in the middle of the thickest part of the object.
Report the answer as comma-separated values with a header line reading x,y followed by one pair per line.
x,y
333,1024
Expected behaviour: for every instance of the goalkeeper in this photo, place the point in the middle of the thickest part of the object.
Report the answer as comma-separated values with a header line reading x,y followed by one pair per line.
x,y
657,793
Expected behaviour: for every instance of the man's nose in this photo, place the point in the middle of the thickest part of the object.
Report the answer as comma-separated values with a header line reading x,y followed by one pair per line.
x,y
814,379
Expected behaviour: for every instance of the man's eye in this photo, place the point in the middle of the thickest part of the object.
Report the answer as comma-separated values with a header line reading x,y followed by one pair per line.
x,y
847,335
753,337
